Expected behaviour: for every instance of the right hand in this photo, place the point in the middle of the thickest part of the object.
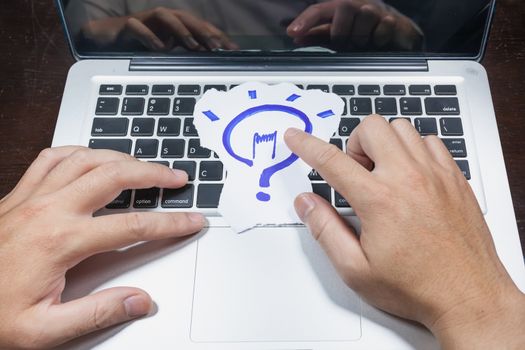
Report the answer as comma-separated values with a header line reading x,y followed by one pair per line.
x,y
424,252
159,29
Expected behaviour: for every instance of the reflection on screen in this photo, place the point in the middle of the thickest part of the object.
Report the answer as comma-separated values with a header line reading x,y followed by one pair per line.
x,y
331,26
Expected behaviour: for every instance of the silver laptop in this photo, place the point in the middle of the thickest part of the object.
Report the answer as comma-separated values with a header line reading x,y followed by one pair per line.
x,y
142,65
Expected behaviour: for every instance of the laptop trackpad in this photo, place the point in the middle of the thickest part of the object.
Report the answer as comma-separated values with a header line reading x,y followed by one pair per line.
x,y
269,285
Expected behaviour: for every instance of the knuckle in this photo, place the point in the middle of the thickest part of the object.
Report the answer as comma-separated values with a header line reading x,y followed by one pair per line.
x,y
113,172
136,225
47,154
159,10
327,156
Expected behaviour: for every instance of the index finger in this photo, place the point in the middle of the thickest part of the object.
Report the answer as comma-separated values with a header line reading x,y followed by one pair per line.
x,y
343,173
101,185
311,17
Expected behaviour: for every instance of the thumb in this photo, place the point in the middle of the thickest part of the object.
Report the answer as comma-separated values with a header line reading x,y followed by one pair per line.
x,y
94,312
335,236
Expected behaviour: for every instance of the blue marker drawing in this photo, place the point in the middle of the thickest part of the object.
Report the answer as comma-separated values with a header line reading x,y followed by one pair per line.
x,y
326,114
211,116
252,94
264,181
265,138
293,97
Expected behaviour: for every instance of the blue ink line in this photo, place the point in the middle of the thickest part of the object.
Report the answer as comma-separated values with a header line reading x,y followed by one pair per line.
x,y
212,116
265,138
263,197
293,97
326,114
253,94
226,136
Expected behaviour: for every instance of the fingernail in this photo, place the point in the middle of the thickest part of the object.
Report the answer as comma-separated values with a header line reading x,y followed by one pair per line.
x,y
304,206
297,27
196,217
291,132
180,173
190,42
137,306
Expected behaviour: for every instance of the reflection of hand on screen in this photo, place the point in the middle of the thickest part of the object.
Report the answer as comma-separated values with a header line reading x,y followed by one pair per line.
x,y
355,23
159,29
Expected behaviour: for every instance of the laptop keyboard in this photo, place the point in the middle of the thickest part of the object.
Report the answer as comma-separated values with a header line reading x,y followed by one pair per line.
x,y
154,123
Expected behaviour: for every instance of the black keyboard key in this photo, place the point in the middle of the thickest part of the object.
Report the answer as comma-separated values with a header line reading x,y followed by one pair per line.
x,y
110,90
442,106
167,90
107,106
216,87
300,86
211,171
426,126
369,90
133,106
142,127
178,198
189,90
410,106
323,190
323,88
394,90
189,129
208,195
315,176
172,148
445,90
184,106
348,125
456,147
123,201
345,107
360,106
451,126
137,90
119,145
110,127
160,162
340,201
169,127
189,167
343,89
420,90
386,106
464,167
146,148
159,106
392,119
338,143
146,198
196,151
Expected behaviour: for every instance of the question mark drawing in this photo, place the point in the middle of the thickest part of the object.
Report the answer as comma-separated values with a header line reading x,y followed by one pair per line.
x,y
267,173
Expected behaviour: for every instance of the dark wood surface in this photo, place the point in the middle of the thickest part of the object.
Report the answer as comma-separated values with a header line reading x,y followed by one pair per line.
x,y
34,61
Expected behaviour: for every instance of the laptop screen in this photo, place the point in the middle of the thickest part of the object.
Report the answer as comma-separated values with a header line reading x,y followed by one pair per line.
x,y
354,28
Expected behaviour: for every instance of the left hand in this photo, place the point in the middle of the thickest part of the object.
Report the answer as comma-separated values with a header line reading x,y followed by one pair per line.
x,y
356,23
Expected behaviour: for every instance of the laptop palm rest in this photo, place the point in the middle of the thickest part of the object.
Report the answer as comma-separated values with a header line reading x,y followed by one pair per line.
x,y
269,284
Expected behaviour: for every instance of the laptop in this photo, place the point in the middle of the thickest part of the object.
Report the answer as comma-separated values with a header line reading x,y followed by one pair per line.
x,y
141,67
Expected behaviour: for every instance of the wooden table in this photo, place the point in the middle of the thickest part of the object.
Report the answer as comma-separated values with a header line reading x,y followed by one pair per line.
x,y
34,60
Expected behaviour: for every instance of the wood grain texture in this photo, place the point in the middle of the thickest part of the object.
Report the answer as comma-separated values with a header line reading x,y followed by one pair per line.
x,y
34,60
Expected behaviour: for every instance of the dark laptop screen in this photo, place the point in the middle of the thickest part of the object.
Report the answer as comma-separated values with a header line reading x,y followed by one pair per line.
x,y
276,27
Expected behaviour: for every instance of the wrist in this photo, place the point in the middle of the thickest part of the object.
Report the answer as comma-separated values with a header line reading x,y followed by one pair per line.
x,y
484,323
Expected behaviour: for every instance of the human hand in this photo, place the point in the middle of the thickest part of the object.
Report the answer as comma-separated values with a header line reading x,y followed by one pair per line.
x,y
356,23
47,227
160,29
424,252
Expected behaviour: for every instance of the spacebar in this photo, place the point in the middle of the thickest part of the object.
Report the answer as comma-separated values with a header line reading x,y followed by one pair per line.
x,y
119,145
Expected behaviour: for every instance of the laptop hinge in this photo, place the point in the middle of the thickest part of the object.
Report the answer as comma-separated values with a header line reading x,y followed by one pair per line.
x,y
277,64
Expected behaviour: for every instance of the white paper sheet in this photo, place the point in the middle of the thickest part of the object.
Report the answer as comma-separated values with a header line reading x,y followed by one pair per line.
x,y
245,127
